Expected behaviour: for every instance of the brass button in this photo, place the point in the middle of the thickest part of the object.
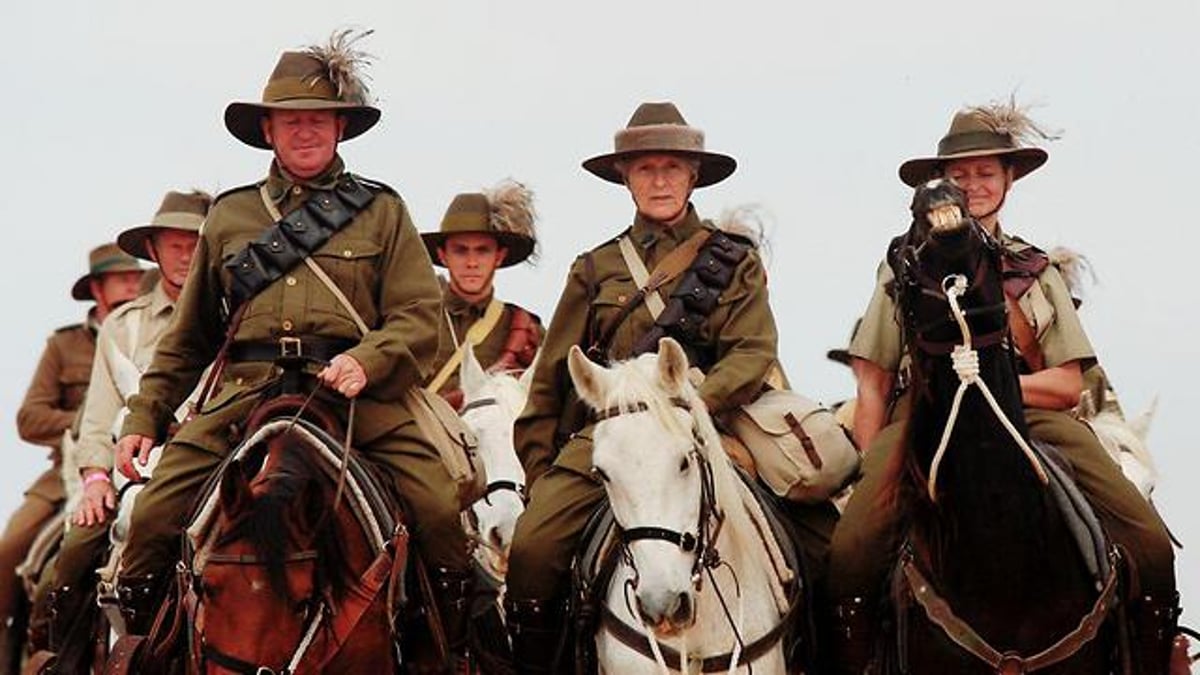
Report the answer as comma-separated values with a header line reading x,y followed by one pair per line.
x,y
621,298
287,324
240,381
296,189
347,253
290,281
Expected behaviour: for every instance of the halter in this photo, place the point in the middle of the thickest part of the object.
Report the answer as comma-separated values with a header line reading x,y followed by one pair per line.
x,y
495,485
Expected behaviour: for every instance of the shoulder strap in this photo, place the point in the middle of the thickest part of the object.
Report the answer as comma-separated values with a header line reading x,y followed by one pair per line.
x,y
476,334
641,276
672,265
293,237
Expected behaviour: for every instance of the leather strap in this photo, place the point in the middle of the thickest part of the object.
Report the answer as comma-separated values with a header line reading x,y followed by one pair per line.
x,y
672,265
476,334
1023,336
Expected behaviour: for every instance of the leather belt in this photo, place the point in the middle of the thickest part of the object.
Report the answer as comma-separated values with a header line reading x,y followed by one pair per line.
x,y
313,349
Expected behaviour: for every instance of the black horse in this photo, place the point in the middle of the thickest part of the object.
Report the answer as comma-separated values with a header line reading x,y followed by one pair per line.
x,y
990,579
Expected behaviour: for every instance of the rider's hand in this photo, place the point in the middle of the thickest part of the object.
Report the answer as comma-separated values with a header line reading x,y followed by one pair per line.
x,y
99,498
345,375
129,447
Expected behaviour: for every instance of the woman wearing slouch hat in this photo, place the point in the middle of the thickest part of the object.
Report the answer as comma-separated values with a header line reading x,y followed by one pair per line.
x,y
660,159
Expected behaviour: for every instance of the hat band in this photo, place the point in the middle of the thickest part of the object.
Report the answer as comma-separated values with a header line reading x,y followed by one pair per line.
x,y
457,223
659,137
291,88
102,266
973,141
178,220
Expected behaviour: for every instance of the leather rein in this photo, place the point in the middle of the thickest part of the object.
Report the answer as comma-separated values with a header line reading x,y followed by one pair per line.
x,y
702,544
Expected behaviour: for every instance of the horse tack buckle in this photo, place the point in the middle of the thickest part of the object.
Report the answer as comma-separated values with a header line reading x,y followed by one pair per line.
x,y
291,348
1011,663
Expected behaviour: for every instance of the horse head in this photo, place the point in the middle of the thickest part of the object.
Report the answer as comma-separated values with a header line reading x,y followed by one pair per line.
x,y
275,559
651,451
491,403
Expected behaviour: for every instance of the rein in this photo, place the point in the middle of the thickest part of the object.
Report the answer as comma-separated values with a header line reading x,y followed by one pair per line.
x,y
703,545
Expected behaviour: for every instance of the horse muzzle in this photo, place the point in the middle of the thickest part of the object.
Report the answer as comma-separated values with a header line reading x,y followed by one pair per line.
x,y
667,612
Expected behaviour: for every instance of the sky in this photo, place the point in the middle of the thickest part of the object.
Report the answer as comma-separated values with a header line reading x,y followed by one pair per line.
x,y
110,104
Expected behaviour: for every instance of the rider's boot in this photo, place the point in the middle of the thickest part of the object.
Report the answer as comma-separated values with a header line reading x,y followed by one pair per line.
x,y
70,623
536,629
1154,621
453,591
851,636
139,598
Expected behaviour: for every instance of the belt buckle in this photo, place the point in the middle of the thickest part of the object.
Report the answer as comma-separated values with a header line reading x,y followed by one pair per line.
x,y
290,348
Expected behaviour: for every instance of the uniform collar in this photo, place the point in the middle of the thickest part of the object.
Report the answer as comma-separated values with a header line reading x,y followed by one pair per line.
x,y
160,302
279,182
91,323
646,233
457,306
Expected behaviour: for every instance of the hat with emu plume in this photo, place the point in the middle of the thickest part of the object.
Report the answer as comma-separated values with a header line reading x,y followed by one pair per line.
x,y
320,77
993,130
505,212
183,211
659,128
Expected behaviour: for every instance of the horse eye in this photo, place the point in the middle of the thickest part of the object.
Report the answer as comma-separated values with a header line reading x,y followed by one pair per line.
x,y
599,473
683,465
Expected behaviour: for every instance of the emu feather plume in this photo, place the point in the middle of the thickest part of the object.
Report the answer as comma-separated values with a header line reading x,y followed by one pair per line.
x,y
512,210
343,64
1006,117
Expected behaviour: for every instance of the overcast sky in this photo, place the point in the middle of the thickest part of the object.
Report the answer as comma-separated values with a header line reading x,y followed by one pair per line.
x,y
110,103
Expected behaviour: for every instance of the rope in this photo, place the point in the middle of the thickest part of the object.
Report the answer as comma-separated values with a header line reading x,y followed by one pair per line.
x,y
965,361
306,641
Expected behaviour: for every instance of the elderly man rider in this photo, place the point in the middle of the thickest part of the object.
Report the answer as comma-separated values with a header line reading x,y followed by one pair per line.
x,y
480,233
273,302
50,408
124,347
660,159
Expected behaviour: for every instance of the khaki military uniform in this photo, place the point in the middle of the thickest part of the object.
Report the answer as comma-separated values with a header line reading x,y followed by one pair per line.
x,y
865,543
461,315
553,435
49,409
380,264
124,349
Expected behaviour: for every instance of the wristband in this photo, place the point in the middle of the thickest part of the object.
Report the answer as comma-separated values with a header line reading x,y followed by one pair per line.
x,y
96,477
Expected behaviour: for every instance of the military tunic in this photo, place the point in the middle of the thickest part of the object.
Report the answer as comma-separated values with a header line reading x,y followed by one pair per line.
x,y
49,409
461,315
865,542
553,433
380,264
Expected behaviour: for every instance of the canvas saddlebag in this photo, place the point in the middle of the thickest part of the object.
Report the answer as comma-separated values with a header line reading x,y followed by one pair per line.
x,y
799,449
455,443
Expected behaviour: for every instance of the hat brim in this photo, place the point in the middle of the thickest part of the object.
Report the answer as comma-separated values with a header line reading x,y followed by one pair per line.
x,y
243,119
134,240
82,288
519,247
1024,162
714,167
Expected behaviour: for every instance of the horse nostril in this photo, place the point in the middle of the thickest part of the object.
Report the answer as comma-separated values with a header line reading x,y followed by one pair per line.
x,y
682,616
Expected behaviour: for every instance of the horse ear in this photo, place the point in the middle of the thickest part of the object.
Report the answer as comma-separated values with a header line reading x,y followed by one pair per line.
x,y
470,374
591,380
235,489
672,365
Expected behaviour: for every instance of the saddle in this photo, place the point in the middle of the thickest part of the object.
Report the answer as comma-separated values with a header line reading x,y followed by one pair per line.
x,y
596,561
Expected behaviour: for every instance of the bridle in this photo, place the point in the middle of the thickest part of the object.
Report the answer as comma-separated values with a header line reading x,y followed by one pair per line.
x,y
701,543
495,485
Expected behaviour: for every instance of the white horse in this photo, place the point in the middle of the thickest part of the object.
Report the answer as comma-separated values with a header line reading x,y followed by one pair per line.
x,y
700,576
491,403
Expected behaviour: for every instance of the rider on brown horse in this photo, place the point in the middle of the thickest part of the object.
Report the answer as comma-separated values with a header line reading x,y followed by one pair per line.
x,y
293,265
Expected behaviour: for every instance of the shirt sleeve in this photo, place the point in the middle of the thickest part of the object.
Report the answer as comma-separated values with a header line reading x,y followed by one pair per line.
x,y
878,338
40,420
1064,340
102,405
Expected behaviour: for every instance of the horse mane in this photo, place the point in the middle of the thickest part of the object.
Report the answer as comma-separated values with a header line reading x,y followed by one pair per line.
x,y
293,484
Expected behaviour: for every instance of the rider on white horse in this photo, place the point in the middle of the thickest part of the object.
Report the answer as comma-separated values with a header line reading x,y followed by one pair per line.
x,y
124,348
480,233
729,335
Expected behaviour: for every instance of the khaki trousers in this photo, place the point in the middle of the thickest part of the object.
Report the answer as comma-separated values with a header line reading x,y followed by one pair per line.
x,y
164,506
22,528
563,499
867,539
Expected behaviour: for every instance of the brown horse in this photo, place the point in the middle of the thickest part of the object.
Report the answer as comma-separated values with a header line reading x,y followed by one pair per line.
x,y
286,577
990,580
